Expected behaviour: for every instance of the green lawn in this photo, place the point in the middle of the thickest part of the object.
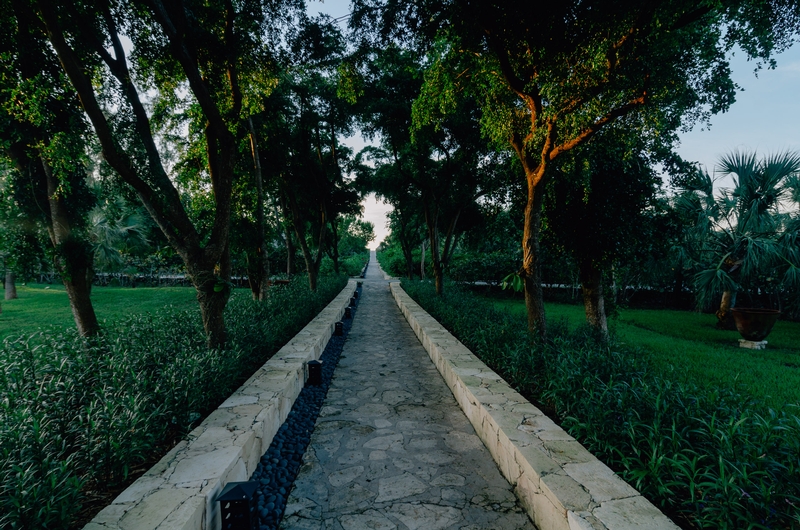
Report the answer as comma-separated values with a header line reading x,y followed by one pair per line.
x,y
687,345
42,305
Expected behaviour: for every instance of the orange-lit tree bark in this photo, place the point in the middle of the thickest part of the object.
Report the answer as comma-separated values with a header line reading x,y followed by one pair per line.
x,y
550,76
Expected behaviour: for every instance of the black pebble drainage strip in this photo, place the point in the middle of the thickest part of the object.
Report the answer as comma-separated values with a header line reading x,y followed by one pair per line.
x,y
278,468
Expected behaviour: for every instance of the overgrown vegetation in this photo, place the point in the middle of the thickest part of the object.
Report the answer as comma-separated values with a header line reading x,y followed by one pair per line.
x,y
711,457
80,415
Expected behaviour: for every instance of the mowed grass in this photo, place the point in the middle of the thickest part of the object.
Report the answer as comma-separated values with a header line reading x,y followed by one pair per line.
x,y
42,306
686,347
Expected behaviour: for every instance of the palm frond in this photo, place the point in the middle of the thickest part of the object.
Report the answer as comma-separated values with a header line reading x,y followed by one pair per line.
x,y
710,282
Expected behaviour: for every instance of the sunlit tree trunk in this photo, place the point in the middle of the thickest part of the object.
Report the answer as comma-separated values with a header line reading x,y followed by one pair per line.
x,y
724,315
531,264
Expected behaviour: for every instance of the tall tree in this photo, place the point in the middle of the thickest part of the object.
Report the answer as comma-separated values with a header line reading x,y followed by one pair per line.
x,y
599,207
303,121
742,230
447,166
42,133
550,76
216,51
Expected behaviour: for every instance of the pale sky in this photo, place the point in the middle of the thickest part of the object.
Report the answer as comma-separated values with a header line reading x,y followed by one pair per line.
x,y
765,117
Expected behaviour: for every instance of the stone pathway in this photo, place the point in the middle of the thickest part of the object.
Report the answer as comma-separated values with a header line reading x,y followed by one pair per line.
x,y
391,448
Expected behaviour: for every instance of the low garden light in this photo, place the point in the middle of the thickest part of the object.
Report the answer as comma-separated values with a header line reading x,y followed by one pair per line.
x,y
338,329
352,302
348,313
238,506
355,294
314,373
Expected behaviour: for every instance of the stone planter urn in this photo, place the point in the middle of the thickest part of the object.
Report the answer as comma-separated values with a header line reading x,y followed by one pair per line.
x,y
754,325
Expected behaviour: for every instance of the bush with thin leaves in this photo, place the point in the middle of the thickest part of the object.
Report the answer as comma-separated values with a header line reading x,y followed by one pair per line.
x,y
75,414
708,458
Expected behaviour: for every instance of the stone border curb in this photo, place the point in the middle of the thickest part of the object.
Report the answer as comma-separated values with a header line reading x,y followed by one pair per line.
x,y
561,485
178,493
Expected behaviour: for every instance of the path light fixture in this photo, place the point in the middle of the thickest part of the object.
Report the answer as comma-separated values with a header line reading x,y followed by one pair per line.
x,y
314,372
338,329
238,506
355,293
360,284
352,302
348,313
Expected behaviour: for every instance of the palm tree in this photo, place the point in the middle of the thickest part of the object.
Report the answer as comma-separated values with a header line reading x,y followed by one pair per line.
x,y
742,230
116,229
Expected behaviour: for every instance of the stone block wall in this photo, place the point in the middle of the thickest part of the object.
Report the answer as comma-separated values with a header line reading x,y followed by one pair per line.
x,y
178,493
561,485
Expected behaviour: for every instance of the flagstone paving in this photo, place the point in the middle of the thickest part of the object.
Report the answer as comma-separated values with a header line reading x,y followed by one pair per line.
x,y
391,448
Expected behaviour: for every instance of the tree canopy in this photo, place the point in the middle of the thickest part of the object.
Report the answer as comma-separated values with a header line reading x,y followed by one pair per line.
x,y
549,77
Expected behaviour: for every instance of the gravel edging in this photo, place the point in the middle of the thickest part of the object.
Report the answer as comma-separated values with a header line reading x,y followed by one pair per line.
x,y
180,491
278,468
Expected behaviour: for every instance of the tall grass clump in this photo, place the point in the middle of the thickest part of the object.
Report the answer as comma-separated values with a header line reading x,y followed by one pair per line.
x,y
80,415
710,458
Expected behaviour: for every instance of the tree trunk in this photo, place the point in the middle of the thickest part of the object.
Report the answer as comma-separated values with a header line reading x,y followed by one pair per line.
x,y
432,221
592,288
406,246
291,268
212,283
287,234
261,269
422,261
531,264
312,262
409,259
438,278
212,307
335,245
724,315
73,259
11,286
78,290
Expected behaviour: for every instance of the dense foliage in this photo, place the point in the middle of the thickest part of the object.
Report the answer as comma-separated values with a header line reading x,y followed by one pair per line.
x,y
78,415
709,458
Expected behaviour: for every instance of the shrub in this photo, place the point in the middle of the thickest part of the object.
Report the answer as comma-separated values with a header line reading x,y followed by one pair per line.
x,y
709,458
76,413
350,265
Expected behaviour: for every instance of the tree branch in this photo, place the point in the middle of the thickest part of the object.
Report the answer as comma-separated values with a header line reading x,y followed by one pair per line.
x,y
587,133
176,228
